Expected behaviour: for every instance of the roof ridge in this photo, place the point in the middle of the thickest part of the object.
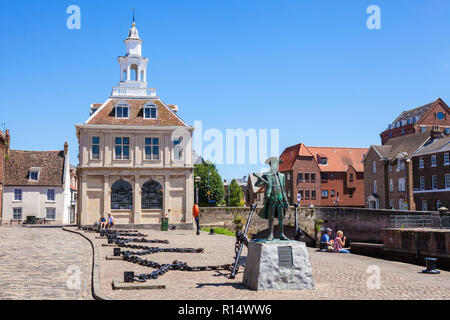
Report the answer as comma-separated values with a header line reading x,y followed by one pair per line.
x,y
338,147
15,150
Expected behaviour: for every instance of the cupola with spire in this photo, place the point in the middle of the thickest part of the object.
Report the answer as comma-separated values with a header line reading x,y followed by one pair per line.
x,y
133,67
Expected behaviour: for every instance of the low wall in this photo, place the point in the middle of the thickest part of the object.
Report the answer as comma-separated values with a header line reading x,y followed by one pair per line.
x,y
358,224
413,245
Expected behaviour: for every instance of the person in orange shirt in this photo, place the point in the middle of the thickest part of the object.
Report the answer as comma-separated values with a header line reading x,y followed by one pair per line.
x,y
196,214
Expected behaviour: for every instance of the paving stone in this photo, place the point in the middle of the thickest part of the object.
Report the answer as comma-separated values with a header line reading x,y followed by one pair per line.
x,y
44,263
336,276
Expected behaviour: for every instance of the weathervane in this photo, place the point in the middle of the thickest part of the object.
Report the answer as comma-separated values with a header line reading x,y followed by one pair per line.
x,y
133,19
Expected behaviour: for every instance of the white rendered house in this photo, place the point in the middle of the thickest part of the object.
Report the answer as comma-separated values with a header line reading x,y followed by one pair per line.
x,y
37,183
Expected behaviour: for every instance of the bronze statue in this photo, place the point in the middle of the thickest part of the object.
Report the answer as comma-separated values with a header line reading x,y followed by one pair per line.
x,y
276,199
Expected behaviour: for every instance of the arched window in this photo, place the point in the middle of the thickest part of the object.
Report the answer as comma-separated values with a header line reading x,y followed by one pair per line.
x,y
121,196
134,72
152,195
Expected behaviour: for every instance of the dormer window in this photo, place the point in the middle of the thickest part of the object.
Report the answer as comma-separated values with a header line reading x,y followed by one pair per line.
x,y
122,110
33,174
323,160
150,111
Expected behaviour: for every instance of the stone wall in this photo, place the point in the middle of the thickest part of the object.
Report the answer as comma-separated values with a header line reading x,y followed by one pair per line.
x,y
358,224
413,245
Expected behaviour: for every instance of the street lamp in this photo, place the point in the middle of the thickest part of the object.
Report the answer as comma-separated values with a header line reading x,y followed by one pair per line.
x,y
209,191
197,182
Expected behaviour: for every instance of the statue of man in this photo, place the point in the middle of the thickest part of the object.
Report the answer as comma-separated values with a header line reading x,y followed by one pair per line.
x,y
276,199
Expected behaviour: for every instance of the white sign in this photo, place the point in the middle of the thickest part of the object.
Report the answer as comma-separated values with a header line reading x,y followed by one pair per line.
x,y
299,197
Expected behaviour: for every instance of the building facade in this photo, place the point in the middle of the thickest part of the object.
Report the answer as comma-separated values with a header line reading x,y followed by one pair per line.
x,y
4,144
324,176
431,175
388,171
37,183
253,194
135,153
434,115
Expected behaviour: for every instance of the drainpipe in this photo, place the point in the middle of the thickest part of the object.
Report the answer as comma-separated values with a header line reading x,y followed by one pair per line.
x,y
410,185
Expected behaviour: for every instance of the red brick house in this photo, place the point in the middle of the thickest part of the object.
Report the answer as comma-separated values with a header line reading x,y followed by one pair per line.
x,y
432,115
324,176
431,175
388,171
4,145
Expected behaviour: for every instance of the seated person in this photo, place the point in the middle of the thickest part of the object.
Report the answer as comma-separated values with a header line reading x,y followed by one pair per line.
x,y
166,214
325,243
110,221
102,222
339,243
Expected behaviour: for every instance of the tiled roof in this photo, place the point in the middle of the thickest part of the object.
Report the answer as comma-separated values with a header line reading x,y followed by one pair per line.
x,y
384,150
340,158
406,144
290,154
435,146
416,112
51,164
106,114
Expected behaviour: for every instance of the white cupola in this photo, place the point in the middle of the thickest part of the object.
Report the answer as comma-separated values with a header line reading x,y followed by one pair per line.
x,y
133,43
133,67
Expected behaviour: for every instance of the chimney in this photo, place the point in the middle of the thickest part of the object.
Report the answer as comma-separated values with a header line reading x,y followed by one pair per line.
x,y
8,142
436,133
66,148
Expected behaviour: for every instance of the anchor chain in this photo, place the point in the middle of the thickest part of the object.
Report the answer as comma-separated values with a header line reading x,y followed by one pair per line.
x,y
164,268
118,240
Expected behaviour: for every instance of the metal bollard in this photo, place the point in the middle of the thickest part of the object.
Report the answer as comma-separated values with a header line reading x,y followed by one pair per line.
x,y
431,266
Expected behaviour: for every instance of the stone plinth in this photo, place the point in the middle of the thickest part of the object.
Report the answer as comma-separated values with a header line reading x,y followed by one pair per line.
x,y
278,265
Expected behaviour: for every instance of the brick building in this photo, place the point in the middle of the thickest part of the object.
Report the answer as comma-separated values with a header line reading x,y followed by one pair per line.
x,y
432,115
324,176
388,171
4,147
431,175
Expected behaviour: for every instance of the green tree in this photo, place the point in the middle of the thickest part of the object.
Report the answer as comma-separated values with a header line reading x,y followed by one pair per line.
x,y
236,194
205,170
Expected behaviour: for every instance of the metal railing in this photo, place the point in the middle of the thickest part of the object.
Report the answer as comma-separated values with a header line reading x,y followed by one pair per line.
x,y
419,221
410,221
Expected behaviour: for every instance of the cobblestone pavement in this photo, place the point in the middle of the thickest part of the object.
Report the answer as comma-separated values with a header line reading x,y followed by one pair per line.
x,y
44,263
337,276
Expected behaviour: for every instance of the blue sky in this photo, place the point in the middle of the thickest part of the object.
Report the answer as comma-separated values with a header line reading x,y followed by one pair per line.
x,y
311,69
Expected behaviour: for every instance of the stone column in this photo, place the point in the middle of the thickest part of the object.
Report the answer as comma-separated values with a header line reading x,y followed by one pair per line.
x,y
137,200
189,198
167,150
137,141
83,210
166,192
107,150
106,195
